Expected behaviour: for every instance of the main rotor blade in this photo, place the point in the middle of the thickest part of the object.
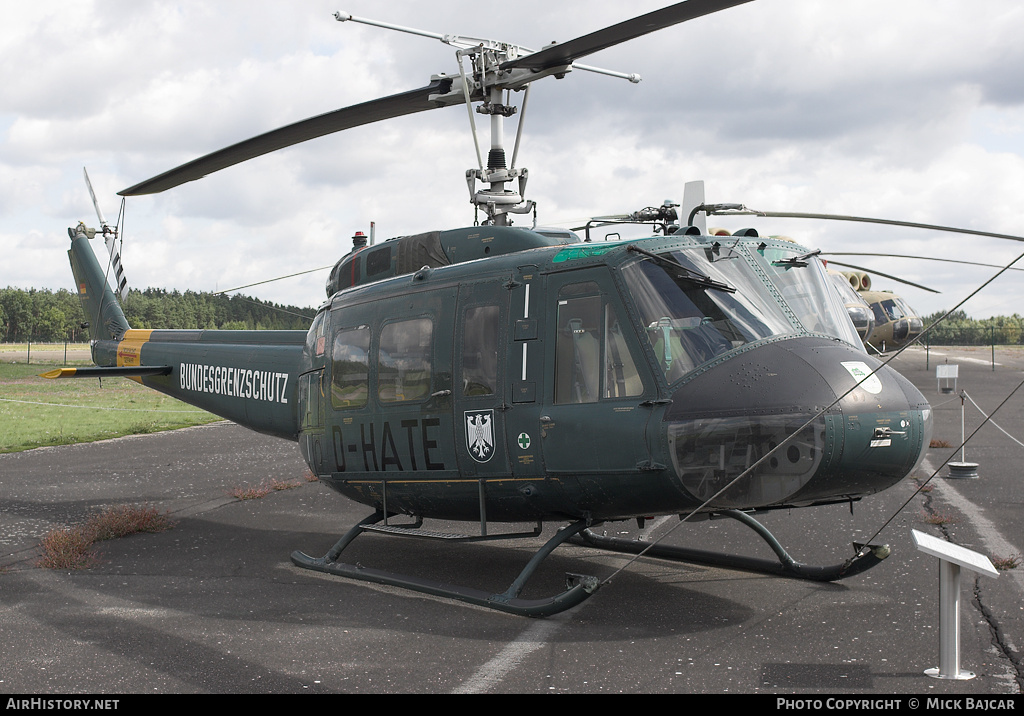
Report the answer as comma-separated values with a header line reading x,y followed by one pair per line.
x,y
916,258
864,219
568,52
396,105
879,273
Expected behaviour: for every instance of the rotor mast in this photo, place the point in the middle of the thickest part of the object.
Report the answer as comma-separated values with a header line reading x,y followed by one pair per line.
x,y
492,73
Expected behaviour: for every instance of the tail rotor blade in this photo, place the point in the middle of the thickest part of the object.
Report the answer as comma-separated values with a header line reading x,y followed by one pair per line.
x,y
110,239
115,262
96,204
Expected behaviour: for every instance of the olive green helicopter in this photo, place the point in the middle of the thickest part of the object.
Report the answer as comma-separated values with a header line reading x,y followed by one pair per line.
x,y
890,322
498,376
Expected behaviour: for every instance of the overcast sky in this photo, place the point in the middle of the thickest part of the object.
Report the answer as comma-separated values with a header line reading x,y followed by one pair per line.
x,y
899,109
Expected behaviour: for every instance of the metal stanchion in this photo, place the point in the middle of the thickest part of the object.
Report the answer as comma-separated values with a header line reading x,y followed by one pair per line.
x,y
963,469
951,558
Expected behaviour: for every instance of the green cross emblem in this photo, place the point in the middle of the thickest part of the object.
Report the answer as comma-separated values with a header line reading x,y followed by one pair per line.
x,y
524,441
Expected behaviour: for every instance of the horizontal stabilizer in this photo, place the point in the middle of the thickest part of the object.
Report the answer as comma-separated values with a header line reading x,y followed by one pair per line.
x,y
134,371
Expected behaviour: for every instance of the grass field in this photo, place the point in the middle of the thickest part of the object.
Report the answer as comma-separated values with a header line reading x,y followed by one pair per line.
x,y
35,412
46,353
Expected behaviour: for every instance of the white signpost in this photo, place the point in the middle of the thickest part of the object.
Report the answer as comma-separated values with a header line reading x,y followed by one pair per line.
x,y
951,558
944,373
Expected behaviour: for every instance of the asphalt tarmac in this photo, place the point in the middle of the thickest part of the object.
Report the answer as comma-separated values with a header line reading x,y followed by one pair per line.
x,y
216,606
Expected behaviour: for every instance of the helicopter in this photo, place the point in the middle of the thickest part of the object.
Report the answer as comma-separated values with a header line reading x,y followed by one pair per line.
x,y
894,323
857,307
495,374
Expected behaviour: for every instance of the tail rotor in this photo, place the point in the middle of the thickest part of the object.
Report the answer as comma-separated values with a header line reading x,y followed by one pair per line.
x,y
110,238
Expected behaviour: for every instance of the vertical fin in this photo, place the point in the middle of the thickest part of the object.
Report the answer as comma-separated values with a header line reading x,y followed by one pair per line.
x,y
102,311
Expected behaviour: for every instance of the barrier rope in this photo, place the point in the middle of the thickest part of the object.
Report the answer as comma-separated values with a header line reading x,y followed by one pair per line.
x,y
989,419
98,407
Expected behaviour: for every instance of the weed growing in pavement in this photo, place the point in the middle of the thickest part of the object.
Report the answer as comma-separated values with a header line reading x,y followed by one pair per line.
x,y
262,490
72,547
922,485
939,518
1004,563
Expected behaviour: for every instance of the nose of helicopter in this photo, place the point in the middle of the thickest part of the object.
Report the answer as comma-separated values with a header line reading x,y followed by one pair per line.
x,y
843,432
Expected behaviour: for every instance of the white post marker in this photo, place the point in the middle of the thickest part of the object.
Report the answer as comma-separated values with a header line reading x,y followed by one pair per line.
x,y
951,558
944,373
963,469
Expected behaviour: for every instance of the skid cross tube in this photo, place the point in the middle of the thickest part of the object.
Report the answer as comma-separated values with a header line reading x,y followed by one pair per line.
x,y
785,567
578,586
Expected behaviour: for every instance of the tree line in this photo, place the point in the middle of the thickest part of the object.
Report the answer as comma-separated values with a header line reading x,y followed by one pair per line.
x,y
961,330
45,316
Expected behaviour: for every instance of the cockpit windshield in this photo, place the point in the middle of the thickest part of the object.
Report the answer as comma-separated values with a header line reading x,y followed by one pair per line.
x,y
802,281
895,309
689,322
698,302
845,289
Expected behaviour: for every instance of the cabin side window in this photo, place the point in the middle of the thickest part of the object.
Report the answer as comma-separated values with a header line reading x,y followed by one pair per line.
x,y
350,384
592,359
404,360
315,339
378,261
480,351
622,379
309,400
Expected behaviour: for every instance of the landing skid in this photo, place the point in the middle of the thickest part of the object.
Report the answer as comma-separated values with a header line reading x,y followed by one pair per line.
x,y
786,566
578,586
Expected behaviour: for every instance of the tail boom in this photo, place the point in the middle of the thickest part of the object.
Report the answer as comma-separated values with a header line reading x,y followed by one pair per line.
x,y
249,377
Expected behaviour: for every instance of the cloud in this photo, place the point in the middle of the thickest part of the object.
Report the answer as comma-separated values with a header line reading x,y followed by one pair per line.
x,y
910,110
